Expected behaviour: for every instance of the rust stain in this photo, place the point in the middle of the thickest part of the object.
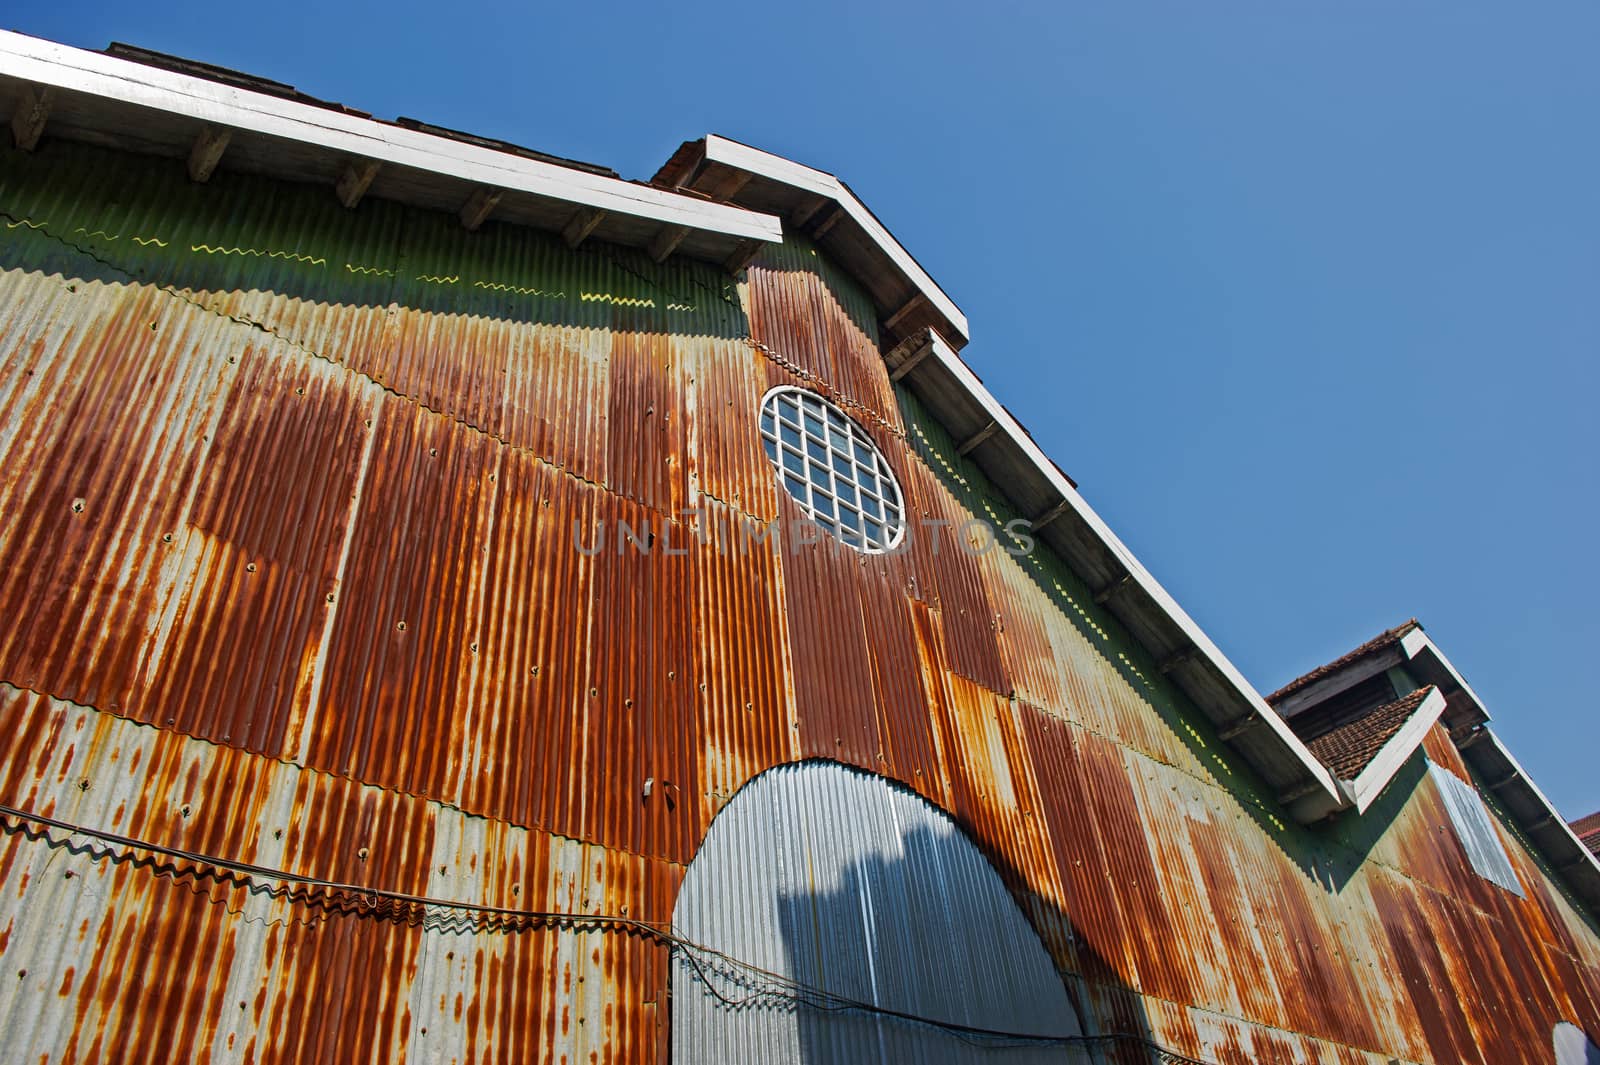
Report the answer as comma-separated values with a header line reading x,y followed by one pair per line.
x,y
302,574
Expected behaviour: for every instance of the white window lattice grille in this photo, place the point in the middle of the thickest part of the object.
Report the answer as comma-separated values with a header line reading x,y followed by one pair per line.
x,y
832,469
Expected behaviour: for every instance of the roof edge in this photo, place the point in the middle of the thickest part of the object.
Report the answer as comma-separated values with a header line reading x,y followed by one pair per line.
x,y
1377,774
61,67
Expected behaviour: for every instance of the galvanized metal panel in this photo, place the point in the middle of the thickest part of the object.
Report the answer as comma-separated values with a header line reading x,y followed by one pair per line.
x,y
851,887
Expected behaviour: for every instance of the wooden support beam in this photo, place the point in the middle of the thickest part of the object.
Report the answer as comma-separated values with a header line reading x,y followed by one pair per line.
x,y
742,256
1173,661
583,222
828,223
806,211
1542,822
729,186
356,179
1238,727
479,206
966,446
911,363
1110,591
28,120
665,242
1051,515
1503,781
899,316
207,152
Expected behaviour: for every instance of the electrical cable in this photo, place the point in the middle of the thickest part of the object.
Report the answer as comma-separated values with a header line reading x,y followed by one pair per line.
x,y
767,985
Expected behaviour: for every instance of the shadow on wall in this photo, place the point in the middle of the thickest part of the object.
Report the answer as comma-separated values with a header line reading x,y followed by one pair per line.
x,y
95,215
840,917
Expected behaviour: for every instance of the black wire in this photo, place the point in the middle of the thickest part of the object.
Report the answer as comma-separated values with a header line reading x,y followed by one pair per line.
x,y
784,987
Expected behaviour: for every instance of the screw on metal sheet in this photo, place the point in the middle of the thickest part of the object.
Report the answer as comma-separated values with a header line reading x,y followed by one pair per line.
x,y
184,810
516,889
300,391
400,625
67,875
21,973
433,452
249,567
330,597
167,539
474,648
277,833
594,693
83,785
534,670
362,853
77,505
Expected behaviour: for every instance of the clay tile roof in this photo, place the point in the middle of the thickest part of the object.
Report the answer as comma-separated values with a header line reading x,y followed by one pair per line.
x,y
1348,749
1377,643
1587,829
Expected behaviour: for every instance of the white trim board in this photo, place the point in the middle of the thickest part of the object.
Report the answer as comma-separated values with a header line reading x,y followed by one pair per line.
x,y
94,74
755,161
1371,781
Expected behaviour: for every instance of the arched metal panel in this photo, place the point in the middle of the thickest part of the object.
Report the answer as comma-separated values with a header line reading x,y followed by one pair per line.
x,y
820,885
1573,1047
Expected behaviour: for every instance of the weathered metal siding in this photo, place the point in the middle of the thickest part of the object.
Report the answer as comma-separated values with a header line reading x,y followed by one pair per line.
x,y
293,498
860,892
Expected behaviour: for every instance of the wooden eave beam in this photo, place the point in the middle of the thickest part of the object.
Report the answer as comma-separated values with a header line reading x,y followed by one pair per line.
x,y
28,120
1238,727
833,219
729,187
1173,661
910,306
1110,591
911,362
966,446
665,242
583,222
355,180
479,206
209,145
1051,515
743,255
806,210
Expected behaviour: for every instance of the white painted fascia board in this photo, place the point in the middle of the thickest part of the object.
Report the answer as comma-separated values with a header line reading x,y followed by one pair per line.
x,y
95,74
1371,781
1526,781
1008,425
776,168
1416,644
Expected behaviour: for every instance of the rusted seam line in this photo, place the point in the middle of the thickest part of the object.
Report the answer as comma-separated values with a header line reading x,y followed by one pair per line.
x,y
184,296
779,359
426,800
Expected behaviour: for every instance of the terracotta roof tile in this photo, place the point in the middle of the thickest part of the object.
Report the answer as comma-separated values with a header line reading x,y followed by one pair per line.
x,y
1377,643
1587,829
1348,749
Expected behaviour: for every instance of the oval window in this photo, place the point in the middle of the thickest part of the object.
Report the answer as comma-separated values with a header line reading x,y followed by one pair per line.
x,y
832,469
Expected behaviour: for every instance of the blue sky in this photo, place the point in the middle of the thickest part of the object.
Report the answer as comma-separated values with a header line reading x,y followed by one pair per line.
x,y
1306,297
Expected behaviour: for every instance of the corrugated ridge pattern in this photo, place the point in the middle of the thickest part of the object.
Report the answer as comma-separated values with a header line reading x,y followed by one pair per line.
x,y
423,491
193,967
838,880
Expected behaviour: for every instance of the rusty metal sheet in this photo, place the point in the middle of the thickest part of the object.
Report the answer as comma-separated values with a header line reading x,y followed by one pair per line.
x,y
376,407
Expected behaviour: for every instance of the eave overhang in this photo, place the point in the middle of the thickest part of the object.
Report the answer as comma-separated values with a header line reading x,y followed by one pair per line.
x,y
113,102
1062,519
823,208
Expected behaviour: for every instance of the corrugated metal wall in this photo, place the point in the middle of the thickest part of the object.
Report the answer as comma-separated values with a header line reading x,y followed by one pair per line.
x,y
293,501
865,902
